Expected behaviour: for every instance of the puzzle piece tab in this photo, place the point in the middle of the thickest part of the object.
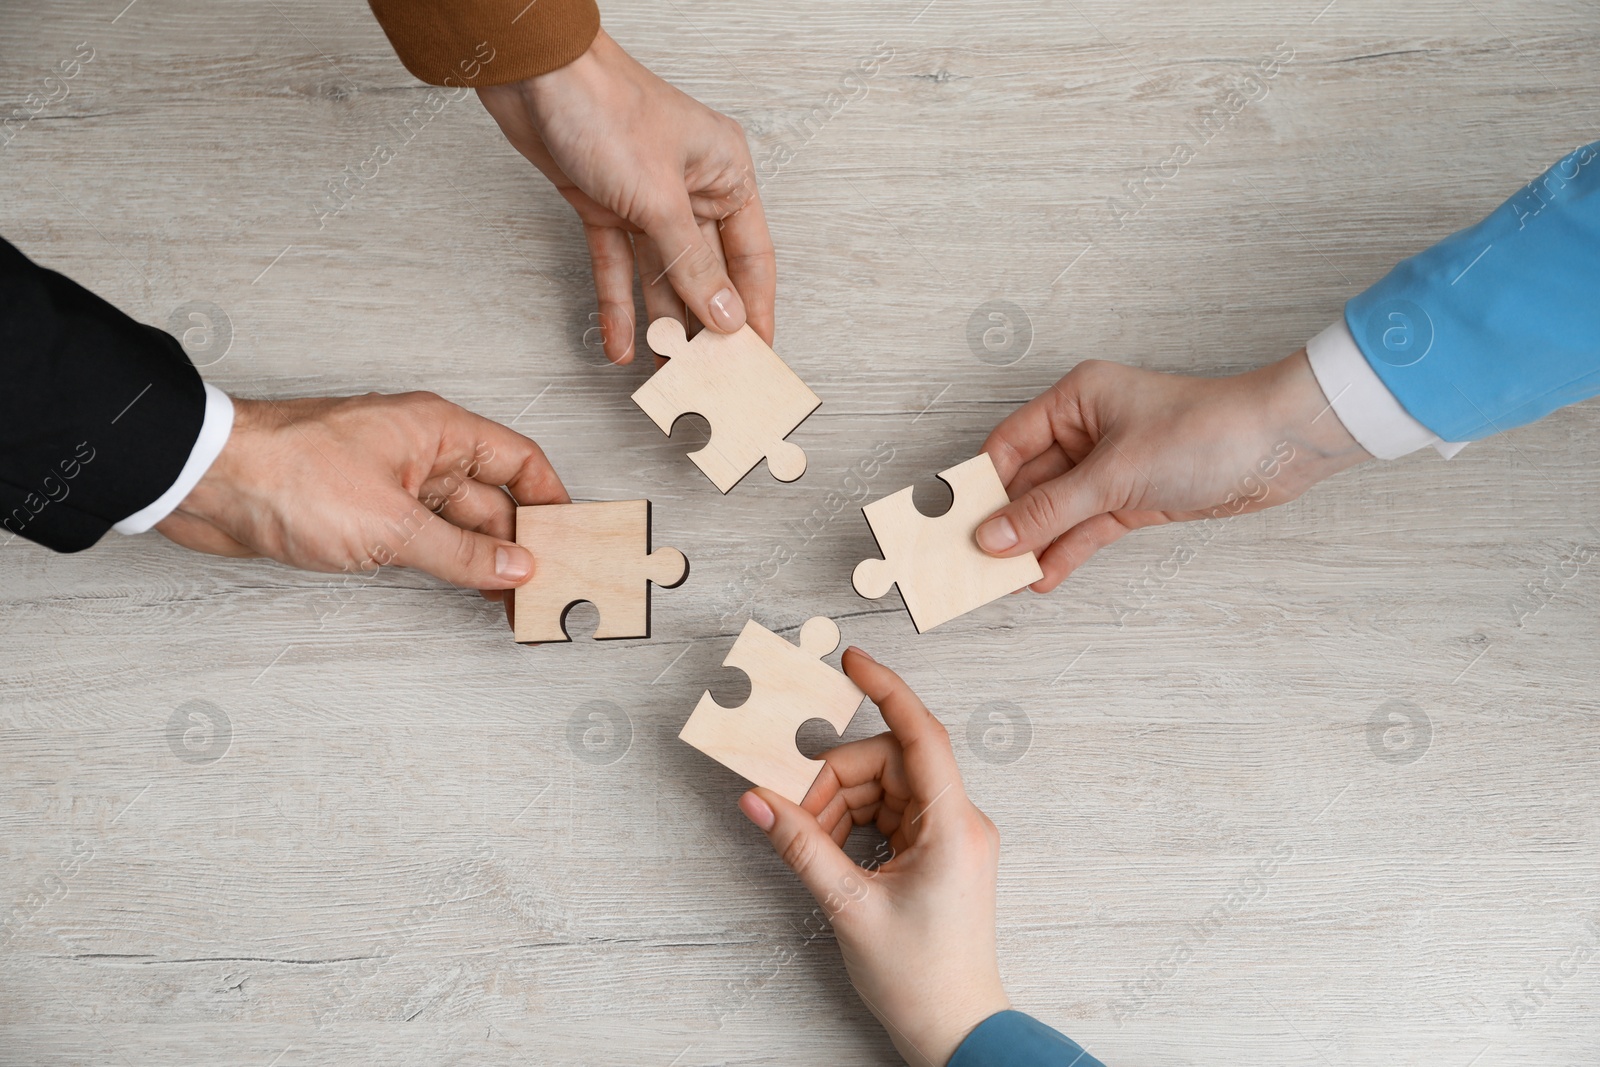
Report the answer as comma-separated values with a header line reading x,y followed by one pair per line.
x,y
941,571
749,396
788,685
598,552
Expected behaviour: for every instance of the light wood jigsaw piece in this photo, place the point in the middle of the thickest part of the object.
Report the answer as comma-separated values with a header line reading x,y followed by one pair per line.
x,y
788,686
597,552
749,396
941,571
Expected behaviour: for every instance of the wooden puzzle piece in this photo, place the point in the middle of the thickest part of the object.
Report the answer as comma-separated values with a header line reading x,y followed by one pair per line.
x,y
598,552
941,571
788,686
749,396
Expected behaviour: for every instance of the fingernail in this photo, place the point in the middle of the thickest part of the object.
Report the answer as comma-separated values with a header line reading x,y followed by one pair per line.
x,y
755,809
511,565
863,653
997,535
722,309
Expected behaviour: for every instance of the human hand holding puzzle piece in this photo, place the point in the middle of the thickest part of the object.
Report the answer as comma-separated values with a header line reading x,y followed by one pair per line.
x,y
789,685
941,571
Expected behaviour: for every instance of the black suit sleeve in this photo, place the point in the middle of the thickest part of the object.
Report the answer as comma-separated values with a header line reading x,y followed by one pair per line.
x,y
98,413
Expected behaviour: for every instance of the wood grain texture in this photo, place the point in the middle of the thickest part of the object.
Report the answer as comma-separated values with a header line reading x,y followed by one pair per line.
x,y
598,553
747,395
789,686
421,843
935,562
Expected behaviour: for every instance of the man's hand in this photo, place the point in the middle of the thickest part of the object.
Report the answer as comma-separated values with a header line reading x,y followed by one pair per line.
x,y
662,183
355,483
1109,449
917,933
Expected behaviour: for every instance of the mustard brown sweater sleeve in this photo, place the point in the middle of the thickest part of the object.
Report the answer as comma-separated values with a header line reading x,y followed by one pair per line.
x,y
486,42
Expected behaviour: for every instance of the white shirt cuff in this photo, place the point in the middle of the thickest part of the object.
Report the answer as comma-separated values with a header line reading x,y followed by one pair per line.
x,y
1363,403
214,431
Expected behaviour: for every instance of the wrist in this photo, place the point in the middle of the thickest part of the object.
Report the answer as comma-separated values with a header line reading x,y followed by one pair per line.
x,y
220,481
586,72
1305,419
939,1037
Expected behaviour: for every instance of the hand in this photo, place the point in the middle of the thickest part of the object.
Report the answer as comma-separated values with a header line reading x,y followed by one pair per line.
x,y
1109,449
358,482
917,934
661,182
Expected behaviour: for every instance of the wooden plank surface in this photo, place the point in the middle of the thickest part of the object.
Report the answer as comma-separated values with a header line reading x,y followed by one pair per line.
x,y
416,842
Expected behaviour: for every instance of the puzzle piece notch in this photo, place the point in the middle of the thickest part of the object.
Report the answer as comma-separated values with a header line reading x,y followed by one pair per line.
x,y
941,571
789,686
749,396
598,553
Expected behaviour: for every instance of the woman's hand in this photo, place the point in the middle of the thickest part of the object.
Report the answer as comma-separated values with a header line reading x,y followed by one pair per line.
x,y
663,185
1109,449
917,933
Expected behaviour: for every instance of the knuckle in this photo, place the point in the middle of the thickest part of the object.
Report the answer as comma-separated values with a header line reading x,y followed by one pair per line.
x,y
653,210
468,554
1038,511
422,401
798,853
1086,377
701,262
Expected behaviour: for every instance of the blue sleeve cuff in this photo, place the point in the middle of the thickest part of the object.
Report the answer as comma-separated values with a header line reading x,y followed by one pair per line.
x,y
1012,1039
1498,325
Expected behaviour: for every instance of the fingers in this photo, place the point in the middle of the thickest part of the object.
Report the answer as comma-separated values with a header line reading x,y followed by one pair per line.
x,y
1050,464
1025,433
1073,549
1045,512
925,752
869,760
471,505
803,845
660,301
694,268
461,557
611,257
752,264
841,809
488,452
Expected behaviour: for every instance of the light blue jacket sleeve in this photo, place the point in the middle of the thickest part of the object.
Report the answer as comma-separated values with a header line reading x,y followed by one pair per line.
x,y
1012,1039
1497,325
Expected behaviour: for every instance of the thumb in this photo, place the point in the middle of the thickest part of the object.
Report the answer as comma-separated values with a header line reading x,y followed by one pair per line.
x,y
462,557
695,270
1035,519
803,845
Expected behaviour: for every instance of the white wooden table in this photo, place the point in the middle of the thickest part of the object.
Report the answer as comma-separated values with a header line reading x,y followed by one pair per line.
x,y
413,845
